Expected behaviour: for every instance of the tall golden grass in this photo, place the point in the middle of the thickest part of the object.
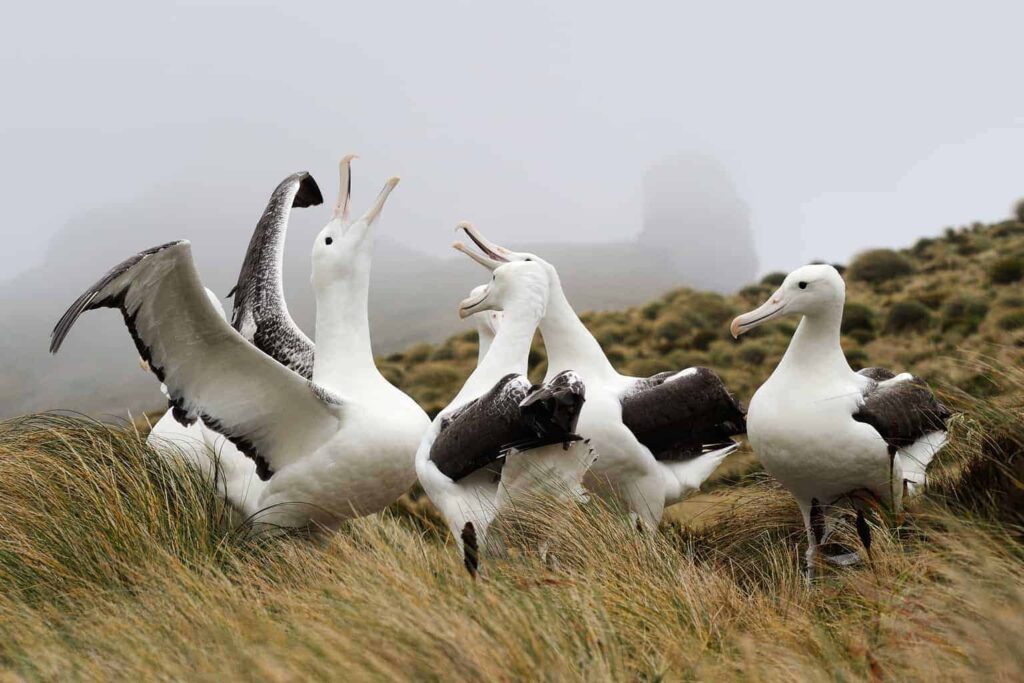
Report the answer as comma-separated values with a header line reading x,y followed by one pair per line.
x,y
119,563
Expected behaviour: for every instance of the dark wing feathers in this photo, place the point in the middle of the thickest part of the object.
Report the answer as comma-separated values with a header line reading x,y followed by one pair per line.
x,y
259,312
511,415
551,410
272,414
681,415
473,436
900,410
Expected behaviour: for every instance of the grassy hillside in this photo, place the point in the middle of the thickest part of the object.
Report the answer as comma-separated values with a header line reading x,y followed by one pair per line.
x,y
119,564
918,308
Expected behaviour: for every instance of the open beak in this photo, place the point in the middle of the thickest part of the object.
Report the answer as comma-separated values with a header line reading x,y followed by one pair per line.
x,y
345,187
492,256
766,311
370,216
468,305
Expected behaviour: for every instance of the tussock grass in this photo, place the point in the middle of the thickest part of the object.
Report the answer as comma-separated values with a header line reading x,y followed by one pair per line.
x,y
120,563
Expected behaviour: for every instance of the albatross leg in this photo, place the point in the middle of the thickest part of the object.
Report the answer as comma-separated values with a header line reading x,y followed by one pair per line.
x,y
814,521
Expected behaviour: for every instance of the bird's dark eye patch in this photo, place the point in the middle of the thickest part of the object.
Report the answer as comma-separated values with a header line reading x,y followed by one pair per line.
x,y
802,285
528,259
328,240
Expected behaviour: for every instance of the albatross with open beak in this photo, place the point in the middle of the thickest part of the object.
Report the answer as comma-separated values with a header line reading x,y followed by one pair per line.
x,y
336,446
657,438
826,432
501,438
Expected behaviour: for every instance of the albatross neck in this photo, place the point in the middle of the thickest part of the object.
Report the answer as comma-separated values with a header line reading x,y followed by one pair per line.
x,y
568,342
815,349
509,352
343,354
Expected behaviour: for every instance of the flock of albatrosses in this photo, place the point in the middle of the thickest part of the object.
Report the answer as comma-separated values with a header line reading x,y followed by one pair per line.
x,y
297,434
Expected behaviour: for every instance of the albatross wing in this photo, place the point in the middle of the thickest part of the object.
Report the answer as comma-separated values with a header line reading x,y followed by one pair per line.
x,y
906,414
682,415
260,313
270,413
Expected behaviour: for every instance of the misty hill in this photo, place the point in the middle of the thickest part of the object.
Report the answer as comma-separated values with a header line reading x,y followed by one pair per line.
x,y
413,295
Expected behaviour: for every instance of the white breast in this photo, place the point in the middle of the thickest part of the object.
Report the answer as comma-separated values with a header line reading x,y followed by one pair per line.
x,y
806,437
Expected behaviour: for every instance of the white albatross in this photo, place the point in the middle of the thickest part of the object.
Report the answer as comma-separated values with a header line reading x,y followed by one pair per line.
x,y
657,438
501,438
826,432
338,446
260,280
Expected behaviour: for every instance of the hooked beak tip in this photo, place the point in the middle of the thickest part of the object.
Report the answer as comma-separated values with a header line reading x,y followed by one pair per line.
x,y
736,329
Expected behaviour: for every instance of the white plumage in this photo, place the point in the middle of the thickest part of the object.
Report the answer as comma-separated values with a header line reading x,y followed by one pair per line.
x,y
338,446
825,431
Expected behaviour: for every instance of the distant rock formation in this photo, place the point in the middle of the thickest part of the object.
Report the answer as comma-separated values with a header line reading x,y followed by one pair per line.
x,y
697,237
693,213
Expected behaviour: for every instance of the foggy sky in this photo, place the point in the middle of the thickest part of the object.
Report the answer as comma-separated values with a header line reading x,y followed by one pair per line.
x,y
843,128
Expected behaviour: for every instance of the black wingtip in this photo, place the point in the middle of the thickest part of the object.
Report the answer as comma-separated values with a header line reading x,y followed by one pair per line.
x,y
470,551
232,292
308,194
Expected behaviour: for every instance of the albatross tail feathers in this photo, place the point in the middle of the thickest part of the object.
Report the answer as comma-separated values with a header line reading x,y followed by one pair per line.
x,y
685,477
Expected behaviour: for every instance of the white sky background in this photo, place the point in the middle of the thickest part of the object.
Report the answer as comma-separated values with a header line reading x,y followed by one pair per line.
x,y
844,127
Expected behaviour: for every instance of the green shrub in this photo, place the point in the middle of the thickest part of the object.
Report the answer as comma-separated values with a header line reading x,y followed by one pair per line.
x,y
932,297
703,339
773,279
857,358
430,374
755,294
879,265
443,352
963,314
907,316
857,317
1011,301
418,353
921,246
1011,321
1006,270
670,327
612,333
752,354
645,367
652,310
1018,211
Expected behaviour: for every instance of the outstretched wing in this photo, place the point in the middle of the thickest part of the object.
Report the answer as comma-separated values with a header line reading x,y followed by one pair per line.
x,y
901,408
270,413
681,415
260,313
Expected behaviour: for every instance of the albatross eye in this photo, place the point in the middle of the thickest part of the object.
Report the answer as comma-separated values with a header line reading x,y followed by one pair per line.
x,y
328,240
802,285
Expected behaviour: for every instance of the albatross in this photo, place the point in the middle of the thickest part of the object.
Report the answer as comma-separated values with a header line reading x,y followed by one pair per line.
x,y
657,438
501,437
336,446
826,432
261,295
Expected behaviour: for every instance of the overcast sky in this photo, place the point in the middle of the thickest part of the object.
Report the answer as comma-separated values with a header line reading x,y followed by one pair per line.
x,y
870,124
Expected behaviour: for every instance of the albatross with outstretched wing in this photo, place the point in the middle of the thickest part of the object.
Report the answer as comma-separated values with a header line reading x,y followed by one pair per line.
x,y
337,446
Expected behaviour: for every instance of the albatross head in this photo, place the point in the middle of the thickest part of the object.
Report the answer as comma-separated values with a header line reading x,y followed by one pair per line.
x,y
809,291
486,322
343,247
515,283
